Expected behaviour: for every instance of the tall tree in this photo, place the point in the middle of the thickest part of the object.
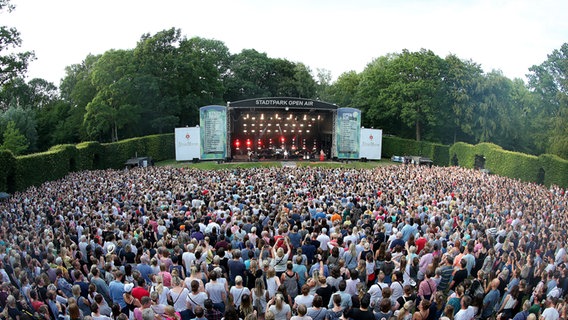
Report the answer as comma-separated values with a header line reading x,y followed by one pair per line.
x,y
407,86
14,64
111,109
323,84
14,140
549,82
463,84
25,121
249,76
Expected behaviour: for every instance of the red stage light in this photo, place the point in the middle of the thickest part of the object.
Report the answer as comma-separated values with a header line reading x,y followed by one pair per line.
x,y
237,143
282,139
248,142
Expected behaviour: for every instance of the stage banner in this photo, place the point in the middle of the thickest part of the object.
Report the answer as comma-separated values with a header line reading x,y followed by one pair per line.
x,y
347,132
213,125
371,144
187,143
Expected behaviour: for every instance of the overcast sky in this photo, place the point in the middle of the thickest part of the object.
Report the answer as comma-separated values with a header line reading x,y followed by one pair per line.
x,y
334,35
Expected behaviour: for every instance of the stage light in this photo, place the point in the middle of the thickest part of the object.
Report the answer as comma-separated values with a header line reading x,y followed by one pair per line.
x,y
301,124
252,131
245,130
262,116
268,130
248,142
270,124
252,124
244,124
282,139
253,118
237,143
284,130
285,124
305,117
293,124
300,131
248,115
276,115
309,125
292,130
313,119
308,131
319,117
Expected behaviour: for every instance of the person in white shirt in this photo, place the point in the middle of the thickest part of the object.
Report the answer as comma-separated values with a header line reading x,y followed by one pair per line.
x,y
323,238
465,313
550,313
305,298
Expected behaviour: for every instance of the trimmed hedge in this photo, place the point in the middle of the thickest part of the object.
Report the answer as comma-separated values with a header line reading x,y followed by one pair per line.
x,y
18,173
547,169
7,163
89,156
37,168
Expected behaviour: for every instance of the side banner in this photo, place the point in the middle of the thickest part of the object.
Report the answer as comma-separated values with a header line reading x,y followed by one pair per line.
x,y
213,125
187,143
371,143
347,132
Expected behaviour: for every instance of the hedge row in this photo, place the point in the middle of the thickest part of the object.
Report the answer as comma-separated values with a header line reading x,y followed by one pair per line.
x,y
18,173
545,169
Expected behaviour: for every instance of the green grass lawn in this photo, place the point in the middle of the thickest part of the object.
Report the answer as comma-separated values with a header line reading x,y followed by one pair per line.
x,y
213,165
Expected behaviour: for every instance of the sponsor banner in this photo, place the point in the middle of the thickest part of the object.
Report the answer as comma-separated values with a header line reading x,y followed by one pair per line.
x,y
371,144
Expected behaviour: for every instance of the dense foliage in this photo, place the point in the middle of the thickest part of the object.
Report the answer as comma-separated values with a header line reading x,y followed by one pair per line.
x,y
161,83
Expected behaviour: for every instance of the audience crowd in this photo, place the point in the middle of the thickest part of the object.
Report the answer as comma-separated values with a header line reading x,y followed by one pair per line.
x,y
395,242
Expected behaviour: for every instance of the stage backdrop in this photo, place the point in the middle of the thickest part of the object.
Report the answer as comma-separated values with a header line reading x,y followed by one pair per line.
x,y
347,132
213,124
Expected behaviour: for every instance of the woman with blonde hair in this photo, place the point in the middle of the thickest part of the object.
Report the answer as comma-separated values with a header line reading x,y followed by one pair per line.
x,y
260,296
245,308
178,294
253,273
272,282
171,314
163,292
279,308
281,257
350,257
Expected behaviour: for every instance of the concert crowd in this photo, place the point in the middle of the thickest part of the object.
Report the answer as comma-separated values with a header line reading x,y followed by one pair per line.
x,y
395,242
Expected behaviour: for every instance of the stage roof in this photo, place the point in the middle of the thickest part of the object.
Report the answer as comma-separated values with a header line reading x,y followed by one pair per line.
x,y
281,103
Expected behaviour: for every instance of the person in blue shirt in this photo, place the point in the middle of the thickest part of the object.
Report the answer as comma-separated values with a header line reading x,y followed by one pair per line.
x,y
116,289
491,300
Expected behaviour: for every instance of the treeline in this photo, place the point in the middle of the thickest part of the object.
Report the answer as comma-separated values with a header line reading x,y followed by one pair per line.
x,y
161,83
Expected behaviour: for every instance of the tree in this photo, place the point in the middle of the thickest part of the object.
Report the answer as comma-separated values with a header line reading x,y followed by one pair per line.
x,y
14,140
343,91
110,110
323,84
549,82
248,76
405,89
25,121
462,84
13,64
